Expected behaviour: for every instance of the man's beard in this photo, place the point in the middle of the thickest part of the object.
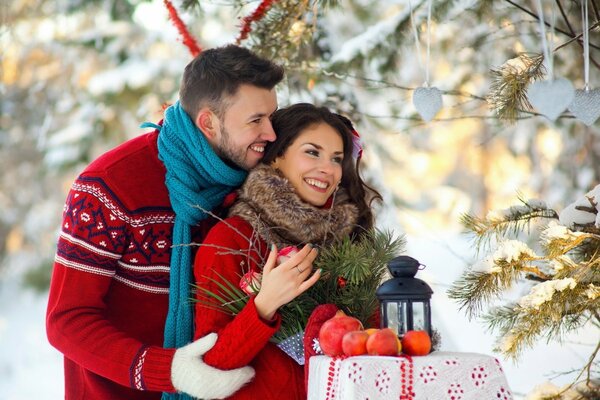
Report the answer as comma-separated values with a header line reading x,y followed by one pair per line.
x,y
227,151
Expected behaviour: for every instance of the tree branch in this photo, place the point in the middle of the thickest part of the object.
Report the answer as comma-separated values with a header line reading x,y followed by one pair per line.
x,y
562,12
577,37
595,7
586,368
574,37
534,15
536,271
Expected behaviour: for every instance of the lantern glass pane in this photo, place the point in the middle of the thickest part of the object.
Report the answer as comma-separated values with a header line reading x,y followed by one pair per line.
x,y
418,316
396,317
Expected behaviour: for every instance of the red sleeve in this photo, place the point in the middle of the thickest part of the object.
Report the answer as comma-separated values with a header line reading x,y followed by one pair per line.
x,y
229,251
76,321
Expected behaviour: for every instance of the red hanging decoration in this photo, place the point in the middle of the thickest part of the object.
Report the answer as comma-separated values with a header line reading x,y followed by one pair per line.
x,y
188,39
255,16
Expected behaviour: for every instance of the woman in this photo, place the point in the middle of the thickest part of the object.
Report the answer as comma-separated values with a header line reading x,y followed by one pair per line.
x,y
307,192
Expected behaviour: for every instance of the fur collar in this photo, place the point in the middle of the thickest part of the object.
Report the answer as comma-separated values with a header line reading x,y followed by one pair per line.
x,y
270,204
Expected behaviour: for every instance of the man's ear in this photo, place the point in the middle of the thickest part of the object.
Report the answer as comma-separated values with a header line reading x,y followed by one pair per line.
x,y
208,123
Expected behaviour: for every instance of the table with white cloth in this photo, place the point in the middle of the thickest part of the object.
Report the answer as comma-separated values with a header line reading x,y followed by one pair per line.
x,y
437,376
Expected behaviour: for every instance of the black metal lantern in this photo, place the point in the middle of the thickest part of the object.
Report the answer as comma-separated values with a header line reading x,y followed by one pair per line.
x,y
405,300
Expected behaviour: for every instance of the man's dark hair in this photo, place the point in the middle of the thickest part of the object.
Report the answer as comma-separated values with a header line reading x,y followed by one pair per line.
x,y
216,74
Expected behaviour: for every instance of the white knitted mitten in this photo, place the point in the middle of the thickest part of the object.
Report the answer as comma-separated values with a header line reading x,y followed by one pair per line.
x,y
191,375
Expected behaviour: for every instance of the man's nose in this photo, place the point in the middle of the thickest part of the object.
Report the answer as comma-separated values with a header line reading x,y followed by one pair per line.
x,y
268,133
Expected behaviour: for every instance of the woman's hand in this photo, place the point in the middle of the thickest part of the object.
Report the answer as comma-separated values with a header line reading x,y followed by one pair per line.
x,y
283,283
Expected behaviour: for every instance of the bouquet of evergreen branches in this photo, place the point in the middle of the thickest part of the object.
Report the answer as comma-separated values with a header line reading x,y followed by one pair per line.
x,y
351,273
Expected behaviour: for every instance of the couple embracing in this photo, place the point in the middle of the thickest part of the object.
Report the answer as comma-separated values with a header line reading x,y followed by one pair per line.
x,y
227,169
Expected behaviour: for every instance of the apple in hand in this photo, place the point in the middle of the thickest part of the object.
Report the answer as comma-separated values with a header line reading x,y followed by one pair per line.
x,y
383,342
416,343
354,343
333,330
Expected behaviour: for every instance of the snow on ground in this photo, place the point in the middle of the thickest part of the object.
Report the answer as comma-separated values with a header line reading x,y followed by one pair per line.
x,y
31,369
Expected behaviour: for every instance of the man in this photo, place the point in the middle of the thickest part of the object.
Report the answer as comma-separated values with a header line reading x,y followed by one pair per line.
x,y
118,307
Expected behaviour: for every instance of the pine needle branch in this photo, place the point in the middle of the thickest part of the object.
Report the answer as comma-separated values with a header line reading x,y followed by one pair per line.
x,y
352,271
521,327
499,224
475,288
229,298
508,90
566,293
556,247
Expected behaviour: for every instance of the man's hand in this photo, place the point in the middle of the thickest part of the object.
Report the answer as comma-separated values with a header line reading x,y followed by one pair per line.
x,y
192,376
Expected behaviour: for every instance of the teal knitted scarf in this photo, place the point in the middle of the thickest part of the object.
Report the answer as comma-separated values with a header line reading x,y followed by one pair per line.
x,y
197,180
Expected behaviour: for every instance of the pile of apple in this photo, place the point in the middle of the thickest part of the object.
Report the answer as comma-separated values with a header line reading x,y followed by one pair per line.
x,y
345,335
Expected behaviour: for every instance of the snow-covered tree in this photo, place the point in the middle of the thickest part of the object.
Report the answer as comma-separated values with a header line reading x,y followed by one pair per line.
x,y
561,261
77,77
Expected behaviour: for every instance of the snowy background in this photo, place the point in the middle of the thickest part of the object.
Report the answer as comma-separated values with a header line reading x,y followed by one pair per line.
x,y
77,78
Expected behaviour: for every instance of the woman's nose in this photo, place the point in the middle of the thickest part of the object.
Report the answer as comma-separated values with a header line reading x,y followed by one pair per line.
x,y
327,167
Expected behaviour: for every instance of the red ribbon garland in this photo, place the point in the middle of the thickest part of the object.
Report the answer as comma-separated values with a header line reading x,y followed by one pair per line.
x,y
255,16
188,39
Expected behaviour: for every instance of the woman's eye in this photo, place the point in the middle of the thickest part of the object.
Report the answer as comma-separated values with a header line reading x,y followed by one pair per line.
x,y
313,153
338,160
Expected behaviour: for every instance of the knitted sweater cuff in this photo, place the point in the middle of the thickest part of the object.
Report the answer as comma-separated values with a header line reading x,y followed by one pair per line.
x,y
156,370
261,328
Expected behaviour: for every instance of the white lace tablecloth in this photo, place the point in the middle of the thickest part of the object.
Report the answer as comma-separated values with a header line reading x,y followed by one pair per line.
x,y
437,376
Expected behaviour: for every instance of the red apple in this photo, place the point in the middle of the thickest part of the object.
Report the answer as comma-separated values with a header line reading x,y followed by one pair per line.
x,y
416,343
354,343
383,342
333,330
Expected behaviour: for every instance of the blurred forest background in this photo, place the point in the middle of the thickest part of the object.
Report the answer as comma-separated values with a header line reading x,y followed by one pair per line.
x,y
77,77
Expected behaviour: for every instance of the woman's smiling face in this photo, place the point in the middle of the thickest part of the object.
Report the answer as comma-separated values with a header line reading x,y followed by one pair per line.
x,y
313,163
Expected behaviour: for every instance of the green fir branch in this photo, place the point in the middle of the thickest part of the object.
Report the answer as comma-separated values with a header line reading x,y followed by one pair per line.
x,y
352,272
284,34
230,297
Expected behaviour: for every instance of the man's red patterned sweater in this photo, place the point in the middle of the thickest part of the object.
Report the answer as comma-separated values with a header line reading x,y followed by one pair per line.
x,y
229,250
109,291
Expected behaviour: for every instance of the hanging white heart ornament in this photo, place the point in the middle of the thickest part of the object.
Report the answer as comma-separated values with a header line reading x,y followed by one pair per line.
x,y
551,97
586,105
427,102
